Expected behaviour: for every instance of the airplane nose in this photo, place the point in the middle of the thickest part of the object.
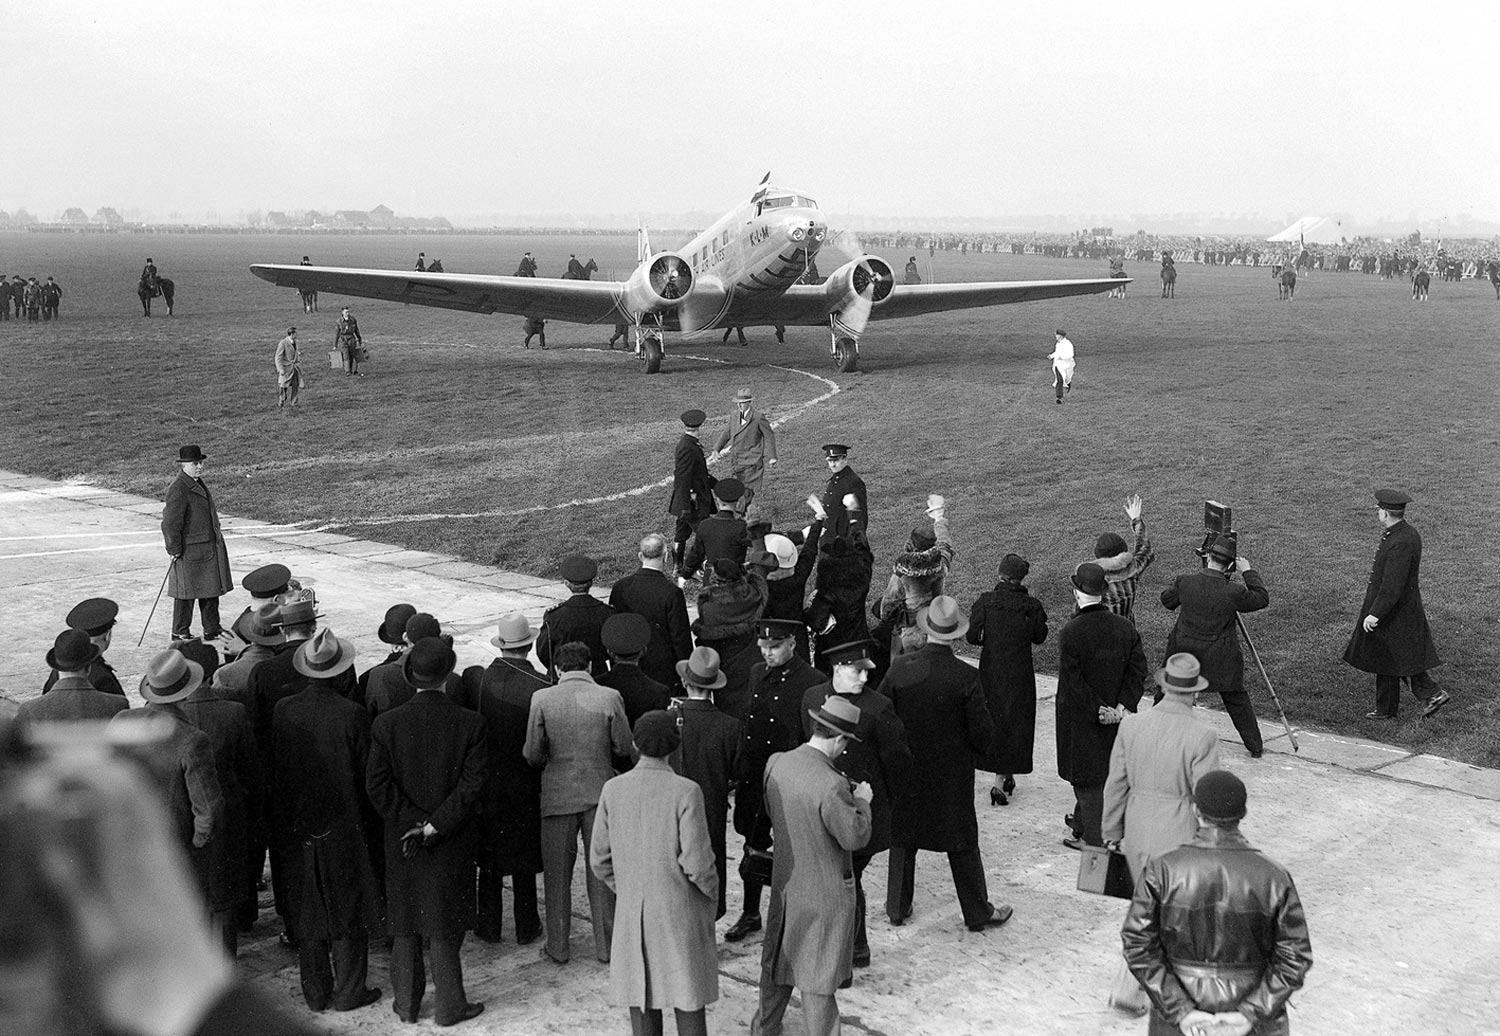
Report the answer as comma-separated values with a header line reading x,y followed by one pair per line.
x,y
811,232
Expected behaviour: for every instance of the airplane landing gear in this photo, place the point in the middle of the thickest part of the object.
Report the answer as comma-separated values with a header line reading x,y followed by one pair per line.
x,y
648,346
845,355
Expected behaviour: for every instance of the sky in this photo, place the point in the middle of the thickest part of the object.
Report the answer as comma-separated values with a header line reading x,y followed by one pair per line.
x,y
577,110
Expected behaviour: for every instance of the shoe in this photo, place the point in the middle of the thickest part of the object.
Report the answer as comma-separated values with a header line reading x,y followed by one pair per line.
x,y
288,940
488,935
547,954
1437,701
862,958
1067,388
1076,844
998,916
744,926
847,982
365,1000
1256,753
1008,785
1377,714
1059,400
899,921
527,936
409,1019
470,1011
997,798
1073,828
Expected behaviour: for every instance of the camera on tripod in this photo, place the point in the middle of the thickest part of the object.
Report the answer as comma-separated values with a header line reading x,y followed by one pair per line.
x,y
1218,520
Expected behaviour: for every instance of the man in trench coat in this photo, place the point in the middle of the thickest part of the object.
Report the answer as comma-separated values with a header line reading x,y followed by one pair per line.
x,y
200,562
288,369
651,846
750,442
817,819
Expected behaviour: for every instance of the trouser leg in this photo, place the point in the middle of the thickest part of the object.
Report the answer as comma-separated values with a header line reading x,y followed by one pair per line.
x,y
721,864
1088,814
752,897
1388,695
225,925
645,1021
408,976
489,893
861,932
692,1023
772,1008
315,972
601,899
528,920
1423,686
901,874
1237,704
559,852
208,607
1057,383
182,616
351,970
969,882
447,979
820,1014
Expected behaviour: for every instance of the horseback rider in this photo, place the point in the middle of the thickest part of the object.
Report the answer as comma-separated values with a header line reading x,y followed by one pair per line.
x,y
527,267
149,278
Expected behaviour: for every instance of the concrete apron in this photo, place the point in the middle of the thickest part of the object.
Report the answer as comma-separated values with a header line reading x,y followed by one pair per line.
x,y
1393,852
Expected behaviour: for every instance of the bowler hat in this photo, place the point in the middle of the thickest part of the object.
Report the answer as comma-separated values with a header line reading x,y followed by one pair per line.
x,y
785,550
1014,567
260,625
943,619
394,626
170,677
1108,545
625,634
1181,675
1391,499
656,734
513,632
72,652
1220,795
777,629
837,715
420,626
1224,549
324,656
701,669
694,418
729,489
855,653
94,616
267,580
190,454
576,568
1088,578
429,663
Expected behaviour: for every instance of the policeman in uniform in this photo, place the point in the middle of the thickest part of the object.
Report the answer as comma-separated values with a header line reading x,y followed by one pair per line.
x,y
772,723
842,482
96,617
265,585
722,534
581,617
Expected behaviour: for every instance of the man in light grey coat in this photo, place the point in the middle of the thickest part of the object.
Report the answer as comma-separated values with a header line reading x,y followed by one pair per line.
x,y
750,442
288,371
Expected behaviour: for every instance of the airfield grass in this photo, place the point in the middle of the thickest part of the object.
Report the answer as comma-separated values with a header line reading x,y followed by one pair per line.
x,y
1290,412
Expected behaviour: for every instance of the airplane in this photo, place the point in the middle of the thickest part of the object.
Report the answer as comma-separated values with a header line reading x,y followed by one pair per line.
x,y
747,269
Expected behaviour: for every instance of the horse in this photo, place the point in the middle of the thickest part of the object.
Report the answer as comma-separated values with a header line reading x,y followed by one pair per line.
x,y
309,299
1494,271
165,288
1286,284
1304,261
1168,281
1419,284
579,271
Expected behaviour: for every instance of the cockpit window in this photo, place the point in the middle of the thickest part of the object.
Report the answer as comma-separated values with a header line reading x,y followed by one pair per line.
x,y
806,203
779,202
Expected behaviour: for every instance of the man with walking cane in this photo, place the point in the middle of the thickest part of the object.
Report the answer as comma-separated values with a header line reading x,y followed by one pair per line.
x,y
199,569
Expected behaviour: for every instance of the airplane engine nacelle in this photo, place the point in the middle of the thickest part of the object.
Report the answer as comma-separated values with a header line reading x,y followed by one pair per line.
x,y
865,281
661,282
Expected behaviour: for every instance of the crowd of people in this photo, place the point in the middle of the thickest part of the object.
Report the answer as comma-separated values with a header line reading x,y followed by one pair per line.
x,y
26,296
823,723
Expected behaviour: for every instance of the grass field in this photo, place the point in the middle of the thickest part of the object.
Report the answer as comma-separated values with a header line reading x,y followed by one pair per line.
x,y
1290,412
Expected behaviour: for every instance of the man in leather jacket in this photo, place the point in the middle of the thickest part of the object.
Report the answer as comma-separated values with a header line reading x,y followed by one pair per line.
x,y
1216,933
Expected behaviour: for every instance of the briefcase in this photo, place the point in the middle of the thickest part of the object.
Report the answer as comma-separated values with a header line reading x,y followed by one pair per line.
x,y
335,359
1104,872
756,865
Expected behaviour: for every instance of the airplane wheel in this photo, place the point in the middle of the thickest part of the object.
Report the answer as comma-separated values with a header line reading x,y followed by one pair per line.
x,y
846,356
651,355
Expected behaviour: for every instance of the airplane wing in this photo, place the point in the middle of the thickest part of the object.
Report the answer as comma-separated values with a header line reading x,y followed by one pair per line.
x,y
550,298
805,304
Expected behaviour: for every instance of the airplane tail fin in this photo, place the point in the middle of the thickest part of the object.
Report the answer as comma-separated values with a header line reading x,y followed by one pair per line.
x,y
642,244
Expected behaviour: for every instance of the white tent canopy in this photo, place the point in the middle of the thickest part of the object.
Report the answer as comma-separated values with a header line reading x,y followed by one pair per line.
x,y
1315,230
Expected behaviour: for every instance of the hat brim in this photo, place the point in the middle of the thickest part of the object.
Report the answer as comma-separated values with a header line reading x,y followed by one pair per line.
x,y
243,629
831,725
1199,684
926,627
194,681
341,662
94,656
686,676
511,645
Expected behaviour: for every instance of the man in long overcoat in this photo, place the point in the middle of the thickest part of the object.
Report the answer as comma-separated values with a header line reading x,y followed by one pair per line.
x,y
750,442
940,704
819,818
1101,669
879,756
1391,638
709,754
425,776
288,369
650,845
722,534
650,593
1006,622
1207,628
320,809
843,482
200,562
510,817
692,485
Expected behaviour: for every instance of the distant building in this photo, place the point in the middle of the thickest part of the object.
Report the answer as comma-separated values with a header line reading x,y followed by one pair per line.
x,y
75,217
351,218
380,216
108,217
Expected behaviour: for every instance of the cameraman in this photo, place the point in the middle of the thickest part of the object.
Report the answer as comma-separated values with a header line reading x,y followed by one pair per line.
x,y
1207,629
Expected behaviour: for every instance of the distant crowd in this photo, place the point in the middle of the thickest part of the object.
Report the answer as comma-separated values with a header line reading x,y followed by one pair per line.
x,y
38,301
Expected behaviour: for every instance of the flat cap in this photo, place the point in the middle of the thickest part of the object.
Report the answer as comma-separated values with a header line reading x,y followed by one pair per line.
x,y
576,568
267,580
93,616
625,633
694,418
656,734
1391,498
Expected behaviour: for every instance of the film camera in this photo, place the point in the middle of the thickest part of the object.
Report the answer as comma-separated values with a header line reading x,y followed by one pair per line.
x,y
1218,520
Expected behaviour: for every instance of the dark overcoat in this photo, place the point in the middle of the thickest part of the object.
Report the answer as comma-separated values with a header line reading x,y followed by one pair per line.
x,y
772,723
710,757
1005,623
839,485
321,811
841,584
881,756
1100,662
692,485
510,816
786,591
427,764
721,535
190,527
939,701
581,618
639,692
237,763
101,677
649,593
1206,626
1402,644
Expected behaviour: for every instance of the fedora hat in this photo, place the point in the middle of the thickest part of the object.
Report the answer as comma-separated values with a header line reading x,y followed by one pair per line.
x,y
170,677
743,396
1225,548
943,619
1181,675
701,669
513,632
190,454
72,652
785,550
260,625
394,626
429,663
302,612
324,656
837,715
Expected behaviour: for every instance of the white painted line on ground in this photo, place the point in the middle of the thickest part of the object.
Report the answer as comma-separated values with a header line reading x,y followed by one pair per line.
x,y
144,532
157,546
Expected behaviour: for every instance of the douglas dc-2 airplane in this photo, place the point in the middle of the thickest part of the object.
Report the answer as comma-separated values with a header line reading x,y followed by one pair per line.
x,y
745,270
